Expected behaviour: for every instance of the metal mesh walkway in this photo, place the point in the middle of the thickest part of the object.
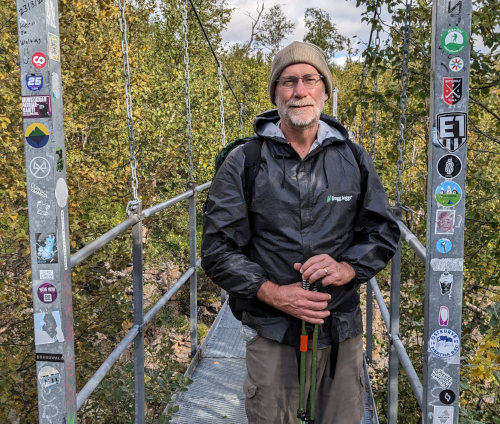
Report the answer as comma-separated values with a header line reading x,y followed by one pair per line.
x,y
216,394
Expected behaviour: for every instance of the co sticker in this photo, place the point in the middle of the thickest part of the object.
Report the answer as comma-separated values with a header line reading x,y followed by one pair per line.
x,y
39,60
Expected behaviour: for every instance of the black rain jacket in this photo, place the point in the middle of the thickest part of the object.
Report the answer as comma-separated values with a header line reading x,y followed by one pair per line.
x,y
332,202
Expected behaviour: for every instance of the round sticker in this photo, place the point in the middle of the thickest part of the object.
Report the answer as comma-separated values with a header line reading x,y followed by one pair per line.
x,y
48,376
447,397
443,245
454,40
449,166
37,135
444,343
34,82
456,64
61,193
448,193
39,167
47,293
39,60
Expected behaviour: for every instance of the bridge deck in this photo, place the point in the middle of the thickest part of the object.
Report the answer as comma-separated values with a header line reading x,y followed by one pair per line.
x,y
218,372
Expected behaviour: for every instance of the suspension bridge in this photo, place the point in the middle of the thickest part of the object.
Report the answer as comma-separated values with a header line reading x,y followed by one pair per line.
x,y
218,365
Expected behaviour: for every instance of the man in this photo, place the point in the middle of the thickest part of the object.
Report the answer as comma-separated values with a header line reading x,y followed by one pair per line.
x,y
317,211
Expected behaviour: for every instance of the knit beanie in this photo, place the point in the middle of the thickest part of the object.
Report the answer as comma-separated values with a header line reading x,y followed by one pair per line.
x,y
299,52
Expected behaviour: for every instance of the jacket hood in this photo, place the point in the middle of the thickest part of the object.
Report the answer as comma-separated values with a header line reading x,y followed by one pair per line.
x,y
265,125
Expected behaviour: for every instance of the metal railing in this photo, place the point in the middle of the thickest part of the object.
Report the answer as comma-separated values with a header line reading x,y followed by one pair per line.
x,y
390,316
136,333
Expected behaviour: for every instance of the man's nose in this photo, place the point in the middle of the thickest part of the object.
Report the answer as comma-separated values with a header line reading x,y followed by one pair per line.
x,y
300,89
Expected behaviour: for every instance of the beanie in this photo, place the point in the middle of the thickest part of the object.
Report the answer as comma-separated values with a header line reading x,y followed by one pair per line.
x,y
299,52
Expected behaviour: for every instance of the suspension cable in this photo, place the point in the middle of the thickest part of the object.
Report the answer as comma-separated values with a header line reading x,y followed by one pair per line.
x,y
213,51
188,91
132,204
240,110
221,105
375,91
400,166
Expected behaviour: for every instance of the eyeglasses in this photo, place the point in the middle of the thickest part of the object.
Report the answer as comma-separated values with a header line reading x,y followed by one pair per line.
x,y
309,81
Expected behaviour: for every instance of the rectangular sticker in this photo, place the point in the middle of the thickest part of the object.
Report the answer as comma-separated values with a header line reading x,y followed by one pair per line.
x,y
37,106
49,357
445,221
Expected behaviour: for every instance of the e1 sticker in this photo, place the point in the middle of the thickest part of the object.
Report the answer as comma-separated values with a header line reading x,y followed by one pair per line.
x,y
38,60
47,293
449,166
34,82
37,135
444,343
444,245
36,106
448,193
454,40
452,130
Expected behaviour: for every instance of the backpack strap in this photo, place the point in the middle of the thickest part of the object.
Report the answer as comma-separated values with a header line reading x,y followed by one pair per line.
x,y
252,149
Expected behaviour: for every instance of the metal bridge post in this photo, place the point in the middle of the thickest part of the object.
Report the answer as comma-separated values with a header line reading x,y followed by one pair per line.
x,y
335,92
47,195
447,154
394,329
369,322
193,292
137,270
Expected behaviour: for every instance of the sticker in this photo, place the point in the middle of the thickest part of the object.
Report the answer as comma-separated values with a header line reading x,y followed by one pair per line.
x,y
443,415
449,166
48,328
38,191
452,130
444,316
452,90
49,357
444,343
61,193
445,283
60,160
46,248
42,208
447,264
47,293
50,13
445,220
46,274
456,64
443,379
38,60
48,377
53,47
34,82
36,106
447,397
37,135
39,167
63,235
443,245
454,40
448,193
56,85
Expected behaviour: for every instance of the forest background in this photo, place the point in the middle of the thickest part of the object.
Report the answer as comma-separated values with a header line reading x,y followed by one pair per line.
x,y
99,188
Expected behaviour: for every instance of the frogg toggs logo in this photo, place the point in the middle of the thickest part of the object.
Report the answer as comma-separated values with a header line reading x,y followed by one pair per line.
x,y
337,199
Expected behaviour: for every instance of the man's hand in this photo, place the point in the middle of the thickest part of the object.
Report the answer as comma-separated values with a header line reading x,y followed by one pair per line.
x,y
294,300
325,267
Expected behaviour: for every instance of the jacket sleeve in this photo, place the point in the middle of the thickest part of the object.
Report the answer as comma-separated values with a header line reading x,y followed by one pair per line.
x,y
227,232
376,232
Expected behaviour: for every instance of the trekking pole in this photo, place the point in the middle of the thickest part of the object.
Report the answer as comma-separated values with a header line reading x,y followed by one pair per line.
x,y
314,361
301,412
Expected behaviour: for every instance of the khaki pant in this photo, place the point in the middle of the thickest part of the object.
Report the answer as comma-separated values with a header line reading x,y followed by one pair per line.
x,y
271,386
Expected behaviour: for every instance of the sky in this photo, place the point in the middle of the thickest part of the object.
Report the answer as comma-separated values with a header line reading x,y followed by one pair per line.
x,y
345,16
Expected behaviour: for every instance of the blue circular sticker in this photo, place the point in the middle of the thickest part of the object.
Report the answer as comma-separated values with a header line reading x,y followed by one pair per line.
x,y
448,193
444,343
443,245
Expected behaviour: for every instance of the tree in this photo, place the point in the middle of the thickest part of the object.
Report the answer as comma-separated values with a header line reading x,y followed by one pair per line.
x,y
322,31
273,29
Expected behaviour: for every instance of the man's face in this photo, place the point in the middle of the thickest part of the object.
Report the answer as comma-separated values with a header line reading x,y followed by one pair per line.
x,y
300,106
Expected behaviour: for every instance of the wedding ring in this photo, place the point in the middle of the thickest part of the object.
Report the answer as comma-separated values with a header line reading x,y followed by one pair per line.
x,y
326,271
